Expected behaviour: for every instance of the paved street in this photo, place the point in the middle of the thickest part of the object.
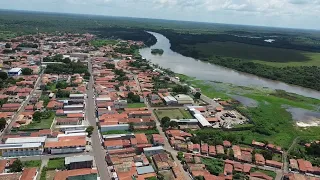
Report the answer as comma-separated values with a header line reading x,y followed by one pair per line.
x,y
98,150
166,146
21,109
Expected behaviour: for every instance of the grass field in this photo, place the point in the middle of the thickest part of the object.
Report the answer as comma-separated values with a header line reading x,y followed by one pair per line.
x,y
173,114
272,122
56,163
136,105
34,163
100,43
44,124
265,55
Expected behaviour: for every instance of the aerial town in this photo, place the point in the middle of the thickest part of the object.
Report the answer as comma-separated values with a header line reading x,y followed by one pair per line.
x,y
72,110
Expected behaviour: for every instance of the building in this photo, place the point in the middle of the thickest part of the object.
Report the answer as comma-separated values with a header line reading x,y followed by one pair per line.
x,y
76,174
145,170
23,140
26,149
65,145
170,100
120,127
120,104
78,162
149,151
14,72
29,174
184,99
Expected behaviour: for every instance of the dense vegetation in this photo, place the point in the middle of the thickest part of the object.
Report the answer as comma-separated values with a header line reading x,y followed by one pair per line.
x,y
306,76
157,51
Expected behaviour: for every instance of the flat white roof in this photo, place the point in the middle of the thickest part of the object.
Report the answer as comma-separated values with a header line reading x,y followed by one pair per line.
x,y
82,158
202,120
116,125
73,112
153,148
169,98
73,106
14,70
76,95
73,134
15,146
103,99
23,140
111,136
185,120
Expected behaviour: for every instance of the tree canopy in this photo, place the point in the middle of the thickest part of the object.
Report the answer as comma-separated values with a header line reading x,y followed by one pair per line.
x,y
27,71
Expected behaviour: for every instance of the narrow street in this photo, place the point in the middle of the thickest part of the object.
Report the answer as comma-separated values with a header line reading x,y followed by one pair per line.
x,y
8,128
166,146
98,150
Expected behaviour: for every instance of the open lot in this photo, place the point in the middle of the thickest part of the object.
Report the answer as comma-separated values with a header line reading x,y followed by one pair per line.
x,y
173,114
167,174
43,124
136,105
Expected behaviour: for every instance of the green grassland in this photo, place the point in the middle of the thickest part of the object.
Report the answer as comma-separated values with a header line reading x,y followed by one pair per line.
x,y
43,124
136,105
260,54
33,163
173,114
103,42
271,121
56,163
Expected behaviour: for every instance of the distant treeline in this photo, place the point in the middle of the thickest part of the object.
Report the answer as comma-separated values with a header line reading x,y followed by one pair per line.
x,y
125,34
306,76
282,41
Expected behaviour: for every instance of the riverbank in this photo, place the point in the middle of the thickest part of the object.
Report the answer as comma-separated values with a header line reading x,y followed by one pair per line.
x,y
272,122
211,72
242,57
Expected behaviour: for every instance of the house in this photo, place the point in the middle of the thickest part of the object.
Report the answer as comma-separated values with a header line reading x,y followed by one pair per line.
x,y
113,144
275,164
78,162
113,127
212,151
29,174
228,168
258,144
66,145
260,159
220,149
157,140
145,170
67,121
260,175
120,104
162,161
149,151
86,173
204,148
294,164
170,100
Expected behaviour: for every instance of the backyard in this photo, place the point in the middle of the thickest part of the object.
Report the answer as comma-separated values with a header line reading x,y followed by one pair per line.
x,y
173,114
43,124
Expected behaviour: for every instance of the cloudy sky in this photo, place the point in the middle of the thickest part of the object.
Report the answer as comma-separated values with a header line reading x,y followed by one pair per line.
x,y
279,13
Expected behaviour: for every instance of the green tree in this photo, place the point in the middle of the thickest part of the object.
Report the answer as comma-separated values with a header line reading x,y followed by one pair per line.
x,y
173,124
197,95
3,75
8,45
16,166
109,65
27,71
3,123
199,178
180,155
37,116
165,122
89,130
267,154
131,126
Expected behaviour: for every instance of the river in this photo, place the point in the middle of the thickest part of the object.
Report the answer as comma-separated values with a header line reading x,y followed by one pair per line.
x,y
210,72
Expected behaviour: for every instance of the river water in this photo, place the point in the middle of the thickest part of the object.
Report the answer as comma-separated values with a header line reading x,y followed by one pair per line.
x,y
210,72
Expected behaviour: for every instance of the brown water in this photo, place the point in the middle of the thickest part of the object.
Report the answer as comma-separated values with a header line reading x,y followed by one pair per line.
x,y
206,71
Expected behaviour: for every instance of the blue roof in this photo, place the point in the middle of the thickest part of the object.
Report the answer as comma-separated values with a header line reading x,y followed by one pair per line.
x,y
145,170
